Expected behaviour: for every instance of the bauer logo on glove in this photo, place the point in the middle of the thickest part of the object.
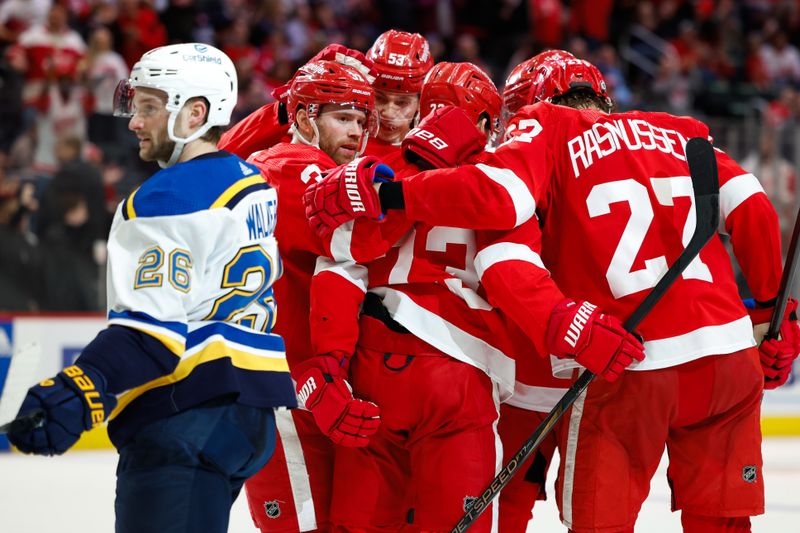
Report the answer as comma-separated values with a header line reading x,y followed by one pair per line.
x,y
432,139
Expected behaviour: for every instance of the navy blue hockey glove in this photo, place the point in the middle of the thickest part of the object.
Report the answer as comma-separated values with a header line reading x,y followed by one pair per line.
x,y
73,401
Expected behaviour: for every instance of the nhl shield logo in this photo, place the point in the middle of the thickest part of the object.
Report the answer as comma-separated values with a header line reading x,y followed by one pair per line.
x,y
468,501
749,474
272,509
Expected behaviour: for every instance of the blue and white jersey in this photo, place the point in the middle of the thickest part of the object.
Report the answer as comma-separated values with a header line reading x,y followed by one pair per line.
x,y
192,260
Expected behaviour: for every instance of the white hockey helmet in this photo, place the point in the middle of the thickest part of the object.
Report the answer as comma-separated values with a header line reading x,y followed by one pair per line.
x,y
183,71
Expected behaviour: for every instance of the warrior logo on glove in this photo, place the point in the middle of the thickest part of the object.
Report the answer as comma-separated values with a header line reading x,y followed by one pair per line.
x,y
351,186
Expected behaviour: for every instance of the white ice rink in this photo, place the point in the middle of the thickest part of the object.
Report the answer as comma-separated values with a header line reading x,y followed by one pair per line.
x,y
75,494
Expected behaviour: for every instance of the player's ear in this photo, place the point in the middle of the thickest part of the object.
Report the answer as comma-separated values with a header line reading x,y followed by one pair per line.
x,y
303,124
483,125
198,112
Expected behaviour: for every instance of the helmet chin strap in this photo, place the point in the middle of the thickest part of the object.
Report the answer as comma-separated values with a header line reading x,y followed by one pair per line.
x,y
299,137
180,142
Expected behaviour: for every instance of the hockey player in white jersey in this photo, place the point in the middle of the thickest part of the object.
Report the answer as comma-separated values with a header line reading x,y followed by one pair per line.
x,y
188,372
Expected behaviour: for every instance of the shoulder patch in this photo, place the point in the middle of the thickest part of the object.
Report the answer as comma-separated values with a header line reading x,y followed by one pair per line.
x,y
246,171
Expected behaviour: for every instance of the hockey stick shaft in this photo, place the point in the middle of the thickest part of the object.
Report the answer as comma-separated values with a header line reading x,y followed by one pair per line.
x,y
789,270
703,171
27,422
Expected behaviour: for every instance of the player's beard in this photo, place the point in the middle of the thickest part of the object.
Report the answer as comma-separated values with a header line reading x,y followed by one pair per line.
x,y
159,150
332,145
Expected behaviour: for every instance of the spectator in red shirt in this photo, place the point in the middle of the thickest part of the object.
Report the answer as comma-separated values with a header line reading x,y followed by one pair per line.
x,y
140,28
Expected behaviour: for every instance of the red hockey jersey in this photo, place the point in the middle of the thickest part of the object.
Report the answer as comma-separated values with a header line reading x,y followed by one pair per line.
x,y
429,281
290,168
259,130
613,197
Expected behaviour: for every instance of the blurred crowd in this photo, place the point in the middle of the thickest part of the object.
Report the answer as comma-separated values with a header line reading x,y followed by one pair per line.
x,y
66,161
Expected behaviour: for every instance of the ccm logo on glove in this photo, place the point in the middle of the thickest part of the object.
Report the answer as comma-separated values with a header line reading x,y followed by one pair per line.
x,y
582,316
90,394
351,185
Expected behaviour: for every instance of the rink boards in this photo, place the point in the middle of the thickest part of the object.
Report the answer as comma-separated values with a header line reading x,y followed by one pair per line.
x,y
51,342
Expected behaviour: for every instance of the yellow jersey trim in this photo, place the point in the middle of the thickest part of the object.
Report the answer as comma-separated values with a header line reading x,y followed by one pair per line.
x,y
234,189
129,205
212,351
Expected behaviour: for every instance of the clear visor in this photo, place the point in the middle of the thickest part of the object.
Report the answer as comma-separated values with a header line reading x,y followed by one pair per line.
x,y
397,111
123,99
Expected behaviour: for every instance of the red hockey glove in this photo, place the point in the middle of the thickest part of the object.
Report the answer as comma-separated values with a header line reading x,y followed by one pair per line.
x,y
321,385
347,192
597,341
444,139
340,54
777,355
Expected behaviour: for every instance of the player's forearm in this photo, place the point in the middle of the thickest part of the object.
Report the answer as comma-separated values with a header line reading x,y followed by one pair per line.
x,y
128,358
257,131
756,240
526,294
337,292
470,196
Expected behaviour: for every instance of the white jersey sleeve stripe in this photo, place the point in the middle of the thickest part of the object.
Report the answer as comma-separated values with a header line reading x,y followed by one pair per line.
x,y
505,251
736,191
340,242
524,202
352,272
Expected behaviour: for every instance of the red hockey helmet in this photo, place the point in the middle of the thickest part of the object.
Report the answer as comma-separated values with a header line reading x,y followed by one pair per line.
x,y
462,85
327,82
516,91
557,77
401,60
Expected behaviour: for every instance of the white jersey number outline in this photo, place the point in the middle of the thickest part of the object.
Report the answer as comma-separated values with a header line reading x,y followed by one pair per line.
x,y
622,280
438,239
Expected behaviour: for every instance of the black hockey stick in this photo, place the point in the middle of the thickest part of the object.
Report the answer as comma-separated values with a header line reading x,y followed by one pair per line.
x,y
787,278
27,422
703,171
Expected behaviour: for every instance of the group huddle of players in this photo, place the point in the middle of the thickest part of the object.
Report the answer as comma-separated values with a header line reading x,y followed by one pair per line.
x,y
461,254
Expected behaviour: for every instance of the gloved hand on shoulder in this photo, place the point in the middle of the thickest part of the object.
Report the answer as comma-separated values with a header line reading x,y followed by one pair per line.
x,y
445,138
340,54
345,193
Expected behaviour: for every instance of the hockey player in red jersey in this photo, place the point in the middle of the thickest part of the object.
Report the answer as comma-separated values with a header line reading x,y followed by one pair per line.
x,y
401,61
432,352
536,390
614,200
269,124
331,112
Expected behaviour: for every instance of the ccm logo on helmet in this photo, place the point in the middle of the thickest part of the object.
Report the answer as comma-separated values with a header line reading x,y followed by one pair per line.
x,y
433,140
351,186
576,327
